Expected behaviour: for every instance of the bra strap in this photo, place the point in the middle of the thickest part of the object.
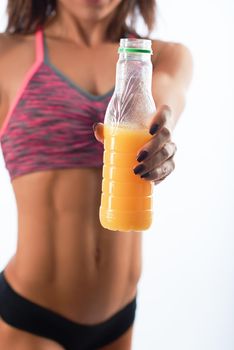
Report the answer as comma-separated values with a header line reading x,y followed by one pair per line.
x,y
39,45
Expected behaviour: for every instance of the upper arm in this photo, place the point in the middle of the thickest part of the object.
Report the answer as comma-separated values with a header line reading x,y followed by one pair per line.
x,y
1,52
4,48
172,75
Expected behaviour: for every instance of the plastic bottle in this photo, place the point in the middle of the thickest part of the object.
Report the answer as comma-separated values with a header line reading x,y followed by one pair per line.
x,y
126,199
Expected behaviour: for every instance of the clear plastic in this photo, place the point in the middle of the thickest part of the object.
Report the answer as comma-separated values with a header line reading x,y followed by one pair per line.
x,y
132,104
126,200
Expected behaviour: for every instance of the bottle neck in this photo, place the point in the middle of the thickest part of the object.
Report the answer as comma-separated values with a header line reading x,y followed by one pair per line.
x,y
131,56
134,69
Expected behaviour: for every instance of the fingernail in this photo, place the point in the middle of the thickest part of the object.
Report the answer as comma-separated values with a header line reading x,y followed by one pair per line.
x,y
154,128
145,175
139,168
142,156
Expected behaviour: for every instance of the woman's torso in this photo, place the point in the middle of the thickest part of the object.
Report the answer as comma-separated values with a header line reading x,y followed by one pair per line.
x,y
65,259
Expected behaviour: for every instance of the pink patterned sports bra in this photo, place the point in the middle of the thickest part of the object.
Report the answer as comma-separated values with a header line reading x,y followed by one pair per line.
x,y
49,124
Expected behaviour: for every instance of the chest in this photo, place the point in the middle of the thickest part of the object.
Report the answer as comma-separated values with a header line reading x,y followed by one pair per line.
x,y
91,71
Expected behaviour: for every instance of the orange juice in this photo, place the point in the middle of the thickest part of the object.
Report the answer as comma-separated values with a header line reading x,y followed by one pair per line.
x,y
126,200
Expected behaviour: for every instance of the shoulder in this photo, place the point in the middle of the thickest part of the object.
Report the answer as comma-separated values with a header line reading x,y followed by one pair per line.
x,y
12,41
12,46
9,44
172,58
6,44
7,41
173,52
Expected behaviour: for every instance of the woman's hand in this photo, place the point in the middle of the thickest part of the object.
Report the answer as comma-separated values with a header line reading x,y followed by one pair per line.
x,y
156,157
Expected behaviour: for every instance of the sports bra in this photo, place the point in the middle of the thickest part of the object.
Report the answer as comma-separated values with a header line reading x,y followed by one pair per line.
x,y
49,124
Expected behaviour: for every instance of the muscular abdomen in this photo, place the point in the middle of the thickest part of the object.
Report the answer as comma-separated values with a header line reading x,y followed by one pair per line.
x,y
65,259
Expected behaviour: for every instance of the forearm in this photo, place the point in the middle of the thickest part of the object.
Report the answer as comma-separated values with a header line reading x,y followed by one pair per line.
x,y
171,80
176,101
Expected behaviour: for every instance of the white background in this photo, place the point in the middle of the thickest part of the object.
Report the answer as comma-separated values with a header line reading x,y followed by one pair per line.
x,y
185,295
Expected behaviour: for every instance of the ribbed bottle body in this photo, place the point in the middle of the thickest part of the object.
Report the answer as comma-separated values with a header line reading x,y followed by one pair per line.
x,y
126,199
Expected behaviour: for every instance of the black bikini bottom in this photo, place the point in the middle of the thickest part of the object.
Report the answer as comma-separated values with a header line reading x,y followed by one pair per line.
x,y
24,314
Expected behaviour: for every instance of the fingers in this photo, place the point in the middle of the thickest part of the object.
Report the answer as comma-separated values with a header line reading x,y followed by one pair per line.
x,y
161,172
154,144
157,154
157,159
161,128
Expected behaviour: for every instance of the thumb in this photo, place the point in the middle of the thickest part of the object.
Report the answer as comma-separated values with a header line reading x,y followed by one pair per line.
x,y
98,129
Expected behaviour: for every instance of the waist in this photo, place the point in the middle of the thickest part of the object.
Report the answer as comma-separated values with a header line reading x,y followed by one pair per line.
x,y
57,242
72,248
